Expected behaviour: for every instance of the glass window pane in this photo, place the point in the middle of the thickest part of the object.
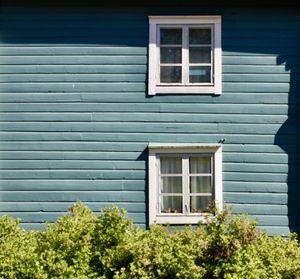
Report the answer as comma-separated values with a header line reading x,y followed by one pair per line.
x,y
169,165
199,74
200,204
170,74
200,184
171,204
171,184
170,36
170,55
200,164
200,55
199,35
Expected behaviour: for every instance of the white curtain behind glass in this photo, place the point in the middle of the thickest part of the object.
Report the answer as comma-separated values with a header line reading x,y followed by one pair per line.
x,y
171,184
200,184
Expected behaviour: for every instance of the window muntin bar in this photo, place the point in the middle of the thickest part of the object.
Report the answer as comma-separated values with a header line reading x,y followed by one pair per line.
x,y
185,184
188,61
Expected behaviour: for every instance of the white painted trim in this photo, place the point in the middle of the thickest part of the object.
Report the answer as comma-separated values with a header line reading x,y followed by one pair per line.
x,y
179,220
185,182
218,59
185,19
153,194
185,89
167,147
153,81
218,171
152,59
185,56
184,149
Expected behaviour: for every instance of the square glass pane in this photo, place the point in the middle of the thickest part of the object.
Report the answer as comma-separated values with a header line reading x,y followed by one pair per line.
x,y
170,74
200,204
200,165
200,184
200,36
169,165
171,184
170,36
200,55
199,74
170,55
171,204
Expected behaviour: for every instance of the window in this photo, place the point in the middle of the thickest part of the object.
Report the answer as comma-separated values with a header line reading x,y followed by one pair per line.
x,y
184,180
185,55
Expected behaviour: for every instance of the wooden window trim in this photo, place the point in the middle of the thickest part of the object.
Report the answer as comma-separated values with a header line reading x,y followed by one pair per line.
x,y
183,150
153,81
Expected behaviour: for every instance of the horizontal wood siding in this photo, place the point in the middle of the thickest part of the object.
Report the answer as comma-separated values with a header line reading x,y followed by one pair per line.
x,y
76,119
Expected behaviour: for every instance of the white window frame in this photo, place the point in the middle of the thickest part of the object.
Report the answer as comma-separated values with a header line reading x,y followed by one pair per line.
x,y
155,23
155,150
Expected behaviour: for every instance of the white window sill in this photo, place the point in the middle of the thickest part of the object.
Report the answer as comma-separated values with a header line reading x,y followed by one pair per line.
x,y
186,90
183,220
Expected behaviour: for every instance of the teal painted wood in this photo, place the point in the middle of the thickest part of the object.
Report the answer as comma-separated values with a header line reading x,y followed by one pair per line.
x,y
73,69
255,187
263,78
133,87
251,148
74,146
257,198
73,50
68,155
72,185
73,164
89,106
89,60
72,174
255,177
139,117
272,210
256,158
39,217
73,78
21,140
276,230
259,78
73,196
76,120
73,87
116,97
89,145
62,207
269,220
208,128
256,69
98,155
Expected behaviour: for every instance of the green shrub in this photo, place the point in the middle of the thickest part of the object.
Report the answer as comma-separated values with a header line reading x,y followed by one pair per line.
x,y
268,258
224,236
82,245
18,258
164,253
65,249
111,242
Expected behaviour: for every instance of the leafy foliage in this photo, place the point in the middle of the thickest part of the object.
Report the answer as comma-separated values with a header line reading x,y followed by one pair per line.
x,y
18,257
82,245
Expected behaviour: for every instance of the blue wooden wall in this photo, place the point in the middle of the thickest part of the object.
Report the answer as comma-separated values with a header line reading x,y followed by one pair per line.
x,y
76,119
